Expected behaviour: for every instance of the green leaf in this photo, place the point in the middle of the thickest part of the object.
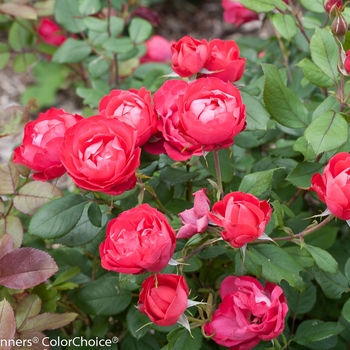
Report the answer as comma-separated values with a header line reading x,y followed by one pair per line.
x,y
148,342
68,15
310,22
121,45
103,297
174,176
327,132
333,286
47,296
285,25
23,61
95,214
72,51
66,275
9,178
278,265
4,58
314,74
313,5
327,105
89,7
28,307
263,5
13,226
315,330
301,175
181,339
347,270
257,183
19,37
325,52
283,105
139,30
116,26
346,310
257,115
7,321
57,217
34,195
323,259
96,24
135,322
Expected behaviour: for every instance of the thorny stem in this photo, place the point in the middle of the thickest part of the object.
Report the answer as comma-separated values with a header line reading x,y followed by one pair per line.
x,y
218,172
299,24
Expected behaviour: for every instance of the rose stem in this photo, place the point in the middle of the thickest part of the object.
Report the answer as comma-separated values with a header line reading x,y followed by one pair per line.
x,y
218,172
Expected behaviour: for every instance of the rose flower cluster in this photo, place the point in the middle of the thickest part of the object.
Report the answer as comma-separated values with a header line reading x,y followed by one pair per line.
x,y
184,118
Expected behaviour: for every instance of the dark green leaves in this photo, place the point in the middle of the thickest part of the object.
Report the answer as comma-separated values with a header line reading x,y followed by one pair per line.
x,y
72,51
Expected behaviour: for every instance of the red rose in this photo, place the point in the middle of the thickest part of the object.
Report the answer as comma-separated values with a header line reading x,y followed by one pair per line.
x,y
171,141
189,56
243,217
236,13
41,143
137,241
158,50
248,313
225,58
332,4
99,154
195,220
133,107
333,186
50,32
163,298
347,62
211,113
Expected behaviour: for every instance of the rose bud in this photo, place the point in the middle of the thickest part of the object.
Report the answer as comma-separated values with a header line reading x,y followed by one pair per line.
x,y
211,113
189,56
163,298
158,50
243,217
195,220
248,313
236,13
137,241
333,186
50,32
41,143
99,154
133,107
339,26
332,5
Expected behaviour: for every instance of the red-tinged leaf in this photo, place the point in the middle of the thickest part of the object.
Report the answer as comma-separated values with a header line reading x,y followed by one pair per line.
x,y
26,267
13,226
34,195
29,306
6,244
36,339
47,320
2,206
18,10
7,323
13,120
9,178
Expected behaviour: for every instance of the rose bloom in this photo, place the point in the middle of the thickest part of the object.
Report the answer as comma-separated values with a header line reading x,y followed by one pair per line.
x,y
137,241
169,140
211,113
236,13
248,313
347,62
99,154
225,58
133,107
163,298
189,56
332,4
243,217
41,143
50,32
333,186
158,50
195,220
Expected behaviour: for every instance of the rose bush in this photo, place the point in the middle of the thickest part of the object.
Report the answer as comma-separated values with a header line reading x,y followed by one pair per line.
x,y
236,13
163,298
100,155
248,313
138,240
41,143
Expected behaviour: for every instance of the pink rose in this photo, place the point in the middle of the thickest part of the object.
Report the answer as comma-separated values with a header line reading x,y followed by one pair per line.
x,y
347,62
333,186
99,154
41,143
133,107
211,113
158,50
163,298
248,313
189,56
195,220
225,58
243,217
170,139
50,32
236,13
137,241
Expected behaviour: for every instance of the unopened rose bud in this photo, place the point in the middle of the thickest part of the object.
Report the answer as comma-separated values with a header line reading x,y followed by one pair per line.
x,y
339,26
332,5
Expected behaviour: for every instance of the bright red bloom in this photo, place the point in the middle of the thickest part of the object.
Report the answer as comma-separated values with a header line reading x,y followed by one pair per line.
x,y
51,32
